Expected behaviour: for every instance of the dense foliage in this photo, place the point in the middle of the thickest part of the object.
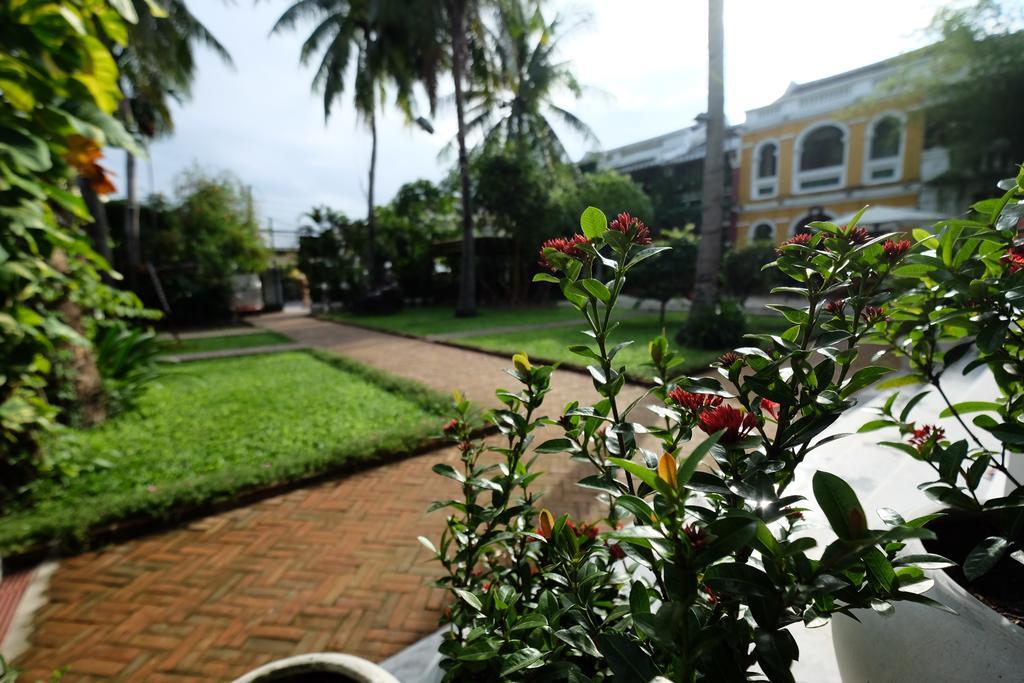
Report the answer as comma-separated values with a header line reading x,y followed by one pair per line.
x,y
670,276
196,242
983,44
958,309
714,567
58,90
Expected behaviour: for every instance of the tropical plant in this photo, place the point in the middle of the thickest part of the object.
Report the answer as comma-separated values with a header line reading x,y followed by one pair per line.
x,y
196,242
365,40
713,567
515,105
58,92
157,65
959,309
126,357
330,255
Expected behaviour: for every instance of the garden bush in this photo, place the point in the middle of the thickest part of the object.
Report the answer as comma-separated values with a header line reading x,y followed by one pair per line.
x,y
713,327
58,94
697,573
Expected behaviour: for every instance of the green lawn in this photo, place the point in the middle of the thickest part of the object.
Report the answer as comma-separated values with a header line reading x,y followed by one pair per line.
x,y
210,429
551,344
232,341
425,320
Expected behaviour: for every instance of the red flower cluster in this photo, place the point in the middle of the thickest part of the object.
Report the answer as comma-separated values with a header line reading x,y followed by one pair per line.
x,y
695,403
856,235
872,314
1014,259
695,535
631,227
803,239
770,407
836,306
451,427
925,435
728,358
894,251
736,423
616,551
583,529
570,246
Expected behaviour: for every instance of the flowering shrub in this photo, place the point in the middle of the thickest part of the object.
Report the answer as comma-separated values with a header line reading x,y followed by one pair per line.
x,y
960,303
701,565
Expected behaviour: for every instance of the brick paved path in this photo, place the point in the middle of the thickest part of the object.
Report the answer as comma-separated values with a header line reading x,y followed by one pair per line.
x,y
330,567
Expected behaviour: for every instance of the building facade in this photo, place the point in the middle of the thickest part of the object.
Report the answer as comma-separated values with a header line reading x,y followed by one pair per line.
x,y
670,169
832,146
823,149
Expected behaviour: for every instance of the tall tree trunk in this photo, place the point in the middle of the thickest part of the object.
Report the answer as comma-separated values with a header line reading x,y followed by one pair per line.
x,y
88,384
133,247
371,212
709,253
466,306
99,229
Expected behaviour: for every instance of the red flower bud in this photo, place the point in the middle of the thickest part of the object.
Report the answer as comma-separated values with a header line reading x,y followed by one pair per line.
x,y
570,246
736,423
632,227
929,434
770,407
694,403
894,251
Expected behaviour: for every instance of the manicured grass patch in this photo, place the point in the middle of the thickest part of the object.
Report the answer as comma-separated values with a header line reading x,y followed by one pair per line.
x,y
552,343
235,341
441,319
211,429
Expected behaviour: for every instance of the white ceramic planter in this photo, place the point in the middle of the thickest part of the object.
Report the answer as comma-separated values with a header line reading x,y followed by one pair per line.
x,y
919,643
329,667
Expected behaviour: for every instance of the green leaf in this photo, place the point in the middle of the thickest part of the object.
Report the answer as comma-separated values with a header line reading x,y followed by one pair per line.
x,y
597,289
521,659
984,556
971,407
556,446
840,505
593,222
688,466
637,470
545,277
739,579
863,378
576,636
469,599
448,471
427,544
626,659
637,506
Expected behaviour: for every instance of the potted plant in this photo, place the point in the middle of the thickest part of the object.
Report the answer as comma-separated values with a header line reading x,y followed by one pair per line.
x,y
319,667
958,308
702,563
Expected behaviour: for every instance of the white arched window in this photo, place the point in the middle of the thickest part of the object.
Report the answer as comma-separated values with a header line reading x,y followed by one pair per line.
x,y
820,158
765,182
883,161
762,231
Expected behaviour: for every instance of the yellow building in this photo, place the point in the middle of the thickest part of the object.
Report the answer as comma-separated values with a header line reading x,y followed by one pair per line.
x,y
829,147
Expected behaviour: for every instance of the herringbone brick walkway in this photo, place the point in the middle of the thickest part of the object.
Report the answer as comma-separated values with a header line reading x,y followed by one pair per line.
x,y
335,566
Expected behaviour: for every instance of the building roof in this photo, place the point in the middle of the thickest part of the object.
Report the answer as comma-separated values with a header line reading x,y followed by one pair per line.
x,y
678,146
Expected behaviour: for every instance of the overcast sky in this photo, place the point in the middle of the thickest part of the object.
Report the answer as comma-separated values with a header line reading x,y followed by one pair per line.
x,y
644,61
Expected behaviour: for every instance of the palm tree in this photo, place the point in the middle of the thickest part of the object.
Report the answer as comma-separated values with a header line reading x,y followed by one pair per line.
x,y
157,66
371,36
709,253
516,106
